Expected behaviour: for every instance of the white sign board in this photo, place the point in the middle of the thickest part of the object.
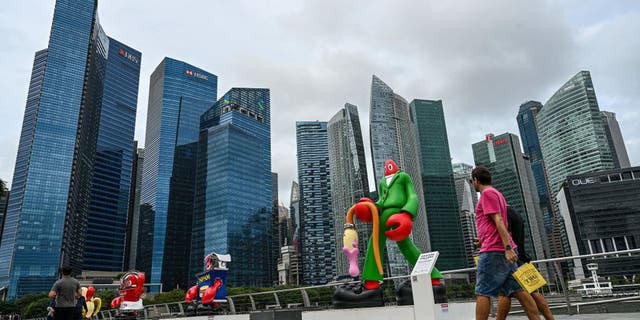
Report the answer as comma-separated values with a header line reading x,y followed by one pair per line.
x,y
425,263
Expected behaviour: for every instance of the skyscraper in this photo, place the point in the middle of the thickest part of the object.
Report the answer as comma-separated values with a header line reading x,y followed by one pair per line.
x,y
46,218
134,208
615,140
511,175
294,211
528,127
317,238
467,200
111,184
349,182
572,135
443,214
4,201
178,94
393,136
234,188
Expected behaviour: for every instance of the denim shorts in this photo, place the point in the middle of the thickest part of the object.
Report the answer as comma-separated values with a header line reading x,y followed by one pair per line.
x,y
495,275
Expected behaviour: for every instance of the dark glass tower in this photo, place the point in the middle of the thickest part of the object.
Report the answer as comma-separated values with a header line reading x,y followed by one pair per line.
x,y
317,238
109,205
511,175
178,95
234,191
438,185
348,175
616,142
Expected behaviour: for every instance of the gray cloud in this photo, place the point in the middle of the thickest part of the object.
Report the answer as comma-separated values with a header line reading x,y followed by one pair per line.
x,y
482,58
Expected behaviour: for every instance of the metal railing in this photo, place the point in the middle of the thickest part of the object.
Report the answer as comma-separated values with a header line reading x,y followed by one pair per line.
x,y
299,298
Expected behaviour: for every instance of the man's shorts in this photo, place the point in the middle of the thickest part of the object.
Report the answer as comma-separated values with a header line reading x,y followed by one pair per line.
x,y
495,275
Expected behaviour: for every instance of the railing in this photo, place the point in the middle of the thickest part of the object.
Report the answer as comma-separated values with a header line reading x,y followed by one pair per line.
x,y
300,298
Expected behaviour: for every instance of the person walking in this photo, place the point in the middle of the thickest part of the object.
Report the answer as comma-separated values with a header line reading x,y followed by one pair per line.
x,y
66,291
497,259
516,229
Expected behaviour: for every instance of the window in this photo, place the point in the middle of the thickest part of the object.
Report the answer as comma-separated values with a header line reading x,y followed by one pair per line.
x,y
620,243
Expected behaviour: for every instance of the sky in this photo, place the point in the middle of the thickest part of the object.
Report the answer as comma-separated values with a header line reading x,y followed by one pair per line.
x,y
482,58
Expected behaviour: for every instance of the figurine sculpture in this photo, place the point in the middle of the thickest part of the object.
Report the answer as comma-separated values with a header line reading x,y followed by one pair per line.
x,y
129,302
93,303
392,217
210,288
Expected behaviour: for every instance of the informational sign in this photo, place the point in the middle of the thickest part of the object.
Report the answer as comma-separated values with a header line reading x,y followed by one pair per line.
x,y
425,263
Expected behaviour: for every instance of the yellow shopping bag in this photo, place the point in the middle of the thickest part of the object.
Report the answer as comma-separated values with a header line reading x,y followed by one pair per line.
x,y
529,277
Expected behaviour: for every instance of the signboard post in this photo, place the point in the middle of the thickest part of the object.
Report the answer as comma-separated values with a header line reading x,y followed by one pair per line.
x,y
423,302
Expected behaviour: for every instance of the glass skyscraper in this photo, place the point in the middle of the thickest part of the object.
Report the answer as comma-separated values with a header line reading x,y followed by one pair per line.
x,y
233,187
109,204
317,238
616,142
571,131
179,94
443,214
467,200
47,213
511,175
349,182
393,136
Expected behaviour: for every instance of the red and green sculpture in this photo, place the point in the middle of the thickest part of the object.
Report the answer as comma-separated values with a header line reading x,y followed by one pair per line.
x,y
392,217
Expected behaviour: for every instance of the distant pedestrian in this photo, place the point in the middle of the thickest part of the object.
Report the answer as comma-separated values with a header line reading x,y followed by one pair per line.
x,y
496,263
516,228
52,305
65,291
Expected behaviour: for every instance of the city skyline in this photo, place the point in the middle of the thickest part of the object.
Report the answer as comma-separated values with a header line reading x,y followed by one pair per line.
x,y
329,68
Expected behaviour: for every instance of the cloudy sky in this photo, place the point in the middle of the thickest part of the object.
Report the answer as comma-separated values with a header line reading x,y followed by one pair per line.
x,y
482,58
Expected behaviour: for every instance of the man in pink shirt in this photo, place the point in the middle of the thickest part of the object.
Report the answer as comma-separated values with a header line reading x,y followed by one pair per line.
x,y
497,252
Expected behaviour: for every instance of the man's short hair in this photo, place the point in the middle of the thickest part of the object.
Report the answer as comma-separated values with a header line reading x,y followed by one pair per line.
x,y
482,175
66,271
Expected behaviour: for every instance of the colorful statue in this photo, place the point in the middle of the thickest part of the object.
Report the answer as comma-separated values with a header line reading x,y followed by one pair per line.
x,y
131,289
211,287
93,303
392,216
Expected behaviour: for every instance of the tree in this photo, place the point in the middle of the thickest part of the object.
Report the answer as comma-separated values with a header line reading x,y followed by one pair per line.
x,y
8,307
36,308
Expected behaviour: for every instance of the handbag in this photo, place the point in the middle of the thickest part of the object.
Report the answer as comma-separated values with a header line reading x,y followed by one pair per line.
x,y
529,277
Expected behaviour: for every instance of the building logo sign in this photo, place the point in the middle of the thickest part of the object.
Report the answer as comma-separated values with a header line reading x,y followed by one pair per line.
x,y
501,141
583,181
192,73
128,55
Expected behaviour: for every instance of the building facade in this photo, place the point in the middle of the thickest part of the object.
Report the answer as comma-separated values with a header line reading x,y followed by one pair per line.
x,y
571,131
46,220
234,197
615,140
349,181
112,172
511,175
134,209
603,212
317,237
178,95
467,201
443,213
393,136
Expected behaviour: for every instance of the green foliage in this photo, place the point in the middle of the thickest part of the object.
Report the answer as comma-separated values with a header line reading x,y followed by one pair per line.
x,y
106,297
37,308
460,291
8,307
175,295
25,300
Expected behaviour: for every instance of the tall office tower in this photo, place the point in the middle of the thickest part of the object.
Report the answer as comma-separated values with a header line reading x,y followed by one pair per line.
x,y
393,136
467,200
178,94
443,215
233,187
602,212
571,131
4,201
349,182
511,175
134,207
46,223
528,127
615,140
274,251
294,211
112,173
317,238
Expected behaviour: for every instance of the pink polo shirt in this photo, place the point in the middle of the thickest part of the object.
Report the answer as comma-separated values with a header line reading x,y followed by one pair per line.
x,y
491,201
